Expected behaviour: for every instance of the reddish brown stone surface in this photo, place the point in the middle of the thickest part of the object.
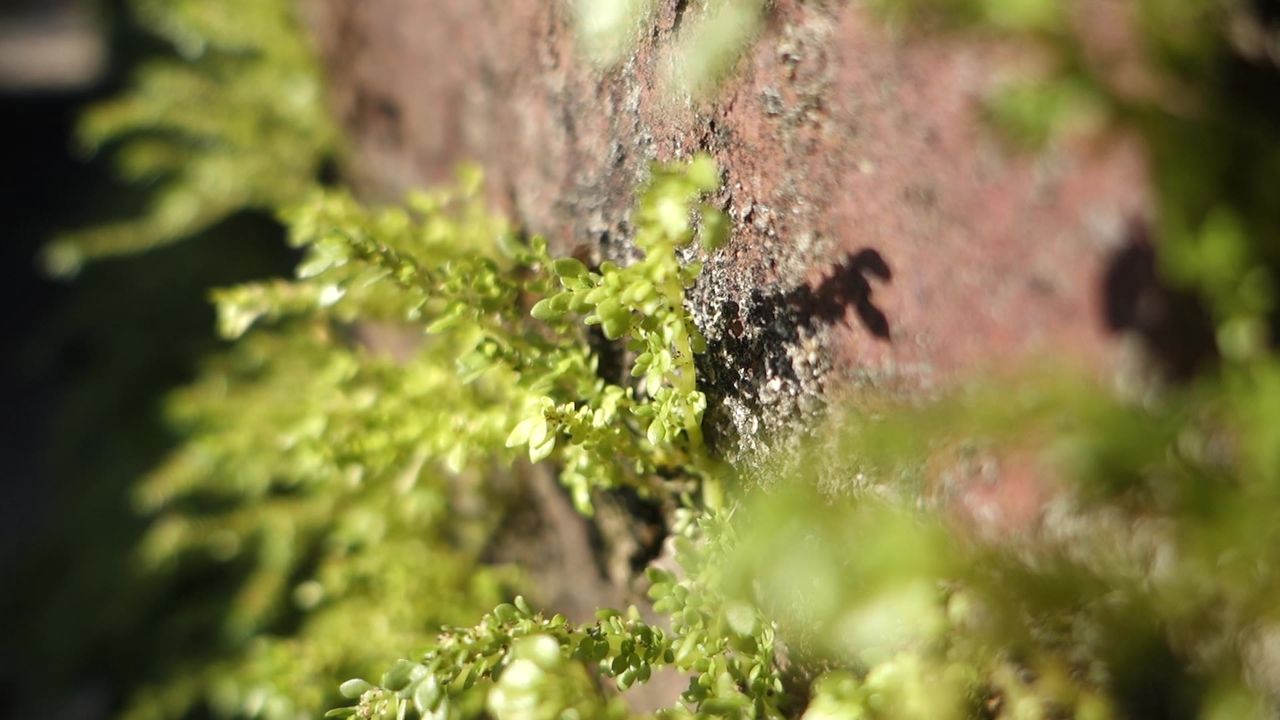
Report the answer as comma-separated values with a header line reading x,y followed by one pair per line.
x,y
882,234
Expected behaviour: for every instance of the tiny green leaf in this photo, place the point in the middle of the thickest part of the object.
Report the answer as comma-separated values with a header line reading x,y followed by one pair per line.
x,y
615,326
398,677
569,268
538,453
354,688
655,432
427,695
544,310
520,434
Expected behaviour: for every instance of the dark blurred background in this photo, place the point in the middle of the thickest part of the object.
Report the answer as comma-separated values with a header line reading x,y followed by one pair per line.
x,y
43,185
85,366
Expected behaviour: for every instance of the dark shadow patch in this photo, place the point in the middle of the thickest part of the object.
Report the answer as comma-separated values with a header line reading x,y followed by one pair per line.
x,y
381,115
846,287
1174,326
753,339
682,7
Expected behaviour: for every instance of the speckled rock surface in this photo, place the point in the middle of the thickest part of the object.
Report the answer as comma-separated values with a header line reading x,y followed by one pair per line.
x,y
883,236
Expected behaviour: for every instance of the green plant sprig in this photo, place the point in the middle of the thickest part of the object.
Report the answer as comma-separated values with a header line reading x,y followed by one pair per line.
x,y
465,277
724,643
522,661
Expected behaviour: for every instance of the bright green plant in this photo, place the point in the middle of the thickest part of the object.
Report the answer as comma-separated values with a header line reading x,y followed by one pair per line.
x,y
466,279
531,666
332,452
528,666
643,304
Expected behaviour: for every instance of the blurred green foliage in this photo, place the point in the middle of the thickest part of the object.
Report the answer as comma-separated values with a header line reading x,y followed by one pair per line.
x,y
231,116
703,53
707,50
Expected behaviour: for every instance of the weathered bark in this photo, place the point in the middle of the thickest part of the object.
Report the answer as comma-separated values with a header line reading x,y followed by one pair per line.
x,y
882,234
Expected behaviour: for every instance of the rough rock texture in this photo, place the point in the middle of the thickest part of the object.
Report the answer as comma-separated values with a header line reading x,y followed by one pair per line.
x,y
883,235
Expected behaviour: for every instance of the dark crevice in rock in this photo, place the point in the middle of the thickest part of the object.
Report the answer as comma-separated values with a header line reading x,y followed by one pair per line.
x,y
682,6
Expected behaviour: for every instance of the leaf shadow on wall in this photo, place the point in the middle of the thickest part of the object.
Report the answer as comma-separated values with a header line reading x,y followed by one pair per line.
x,y
1174,326
755,341
848,286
